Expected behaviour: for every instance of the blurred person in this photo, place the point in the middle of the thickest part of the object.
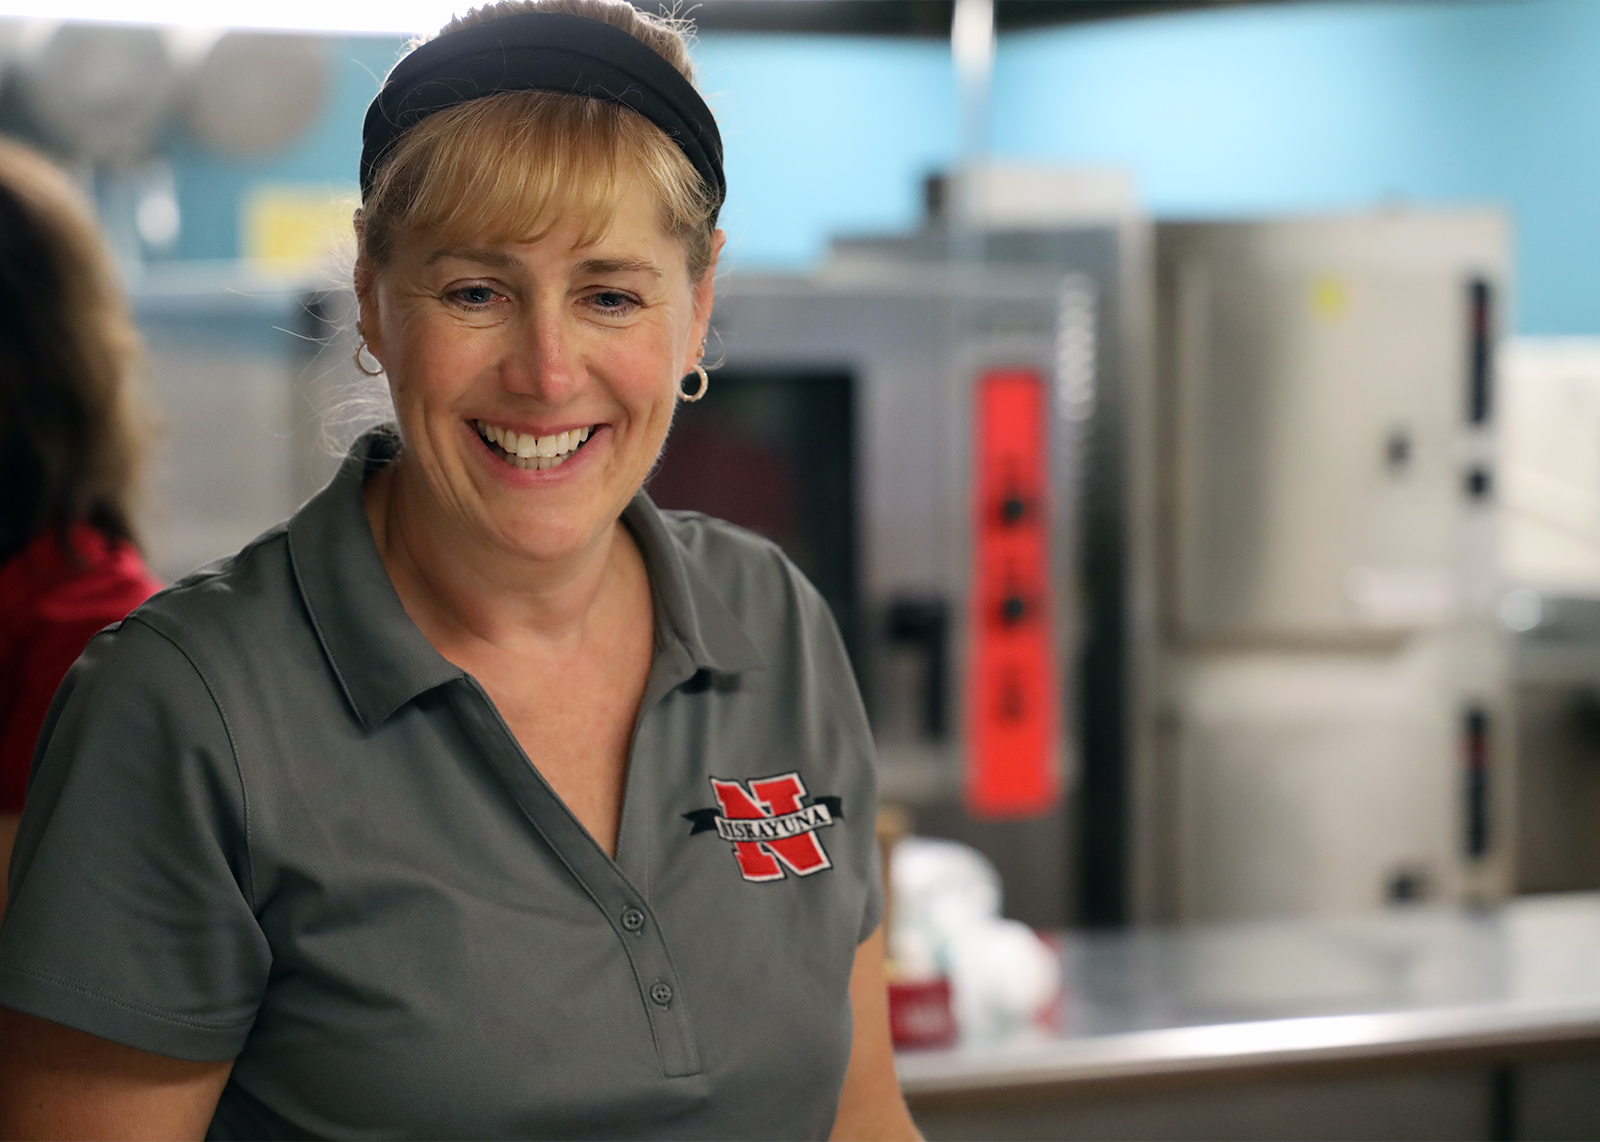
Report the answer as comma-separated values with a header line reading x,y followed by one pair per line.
x,y
70,444
481,798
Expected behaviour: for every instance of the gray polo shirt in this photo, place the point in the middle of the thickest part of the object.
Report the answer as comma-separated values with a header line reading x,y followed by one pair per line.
x,y
269,821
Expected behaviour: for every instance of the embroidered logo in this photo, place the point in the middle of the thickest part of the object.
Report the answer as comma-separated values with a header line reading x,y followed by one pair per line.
x,y
771,823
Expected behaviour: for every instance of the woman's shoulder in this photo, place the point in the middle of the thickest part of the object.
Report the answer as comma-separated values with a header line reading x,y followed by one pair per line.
x,y
719,545
228,630
244,599
778,609
746,569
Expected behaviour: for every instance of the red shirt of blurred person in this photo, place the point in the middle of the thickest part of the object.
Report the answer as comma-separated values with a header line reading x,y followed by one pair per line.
x,y
51,604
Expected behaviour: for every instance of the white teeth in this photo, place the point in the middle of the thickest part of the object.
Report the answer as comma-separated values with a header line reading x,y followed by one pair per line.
x,y
534,452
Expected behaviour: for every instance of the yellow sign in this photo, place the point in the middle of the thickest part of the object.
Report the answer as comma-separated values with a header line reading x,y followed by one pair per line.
x,y
1330,297
294,229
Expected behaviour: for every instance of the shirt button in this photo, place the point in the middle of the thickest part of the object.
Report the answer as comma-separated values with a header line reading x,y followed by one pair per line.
x,y
661,993
632,919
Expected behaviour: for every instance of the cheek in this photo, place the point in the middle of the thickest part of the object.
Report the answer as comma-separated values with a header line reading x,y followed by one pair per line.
x,y
438,364
644,382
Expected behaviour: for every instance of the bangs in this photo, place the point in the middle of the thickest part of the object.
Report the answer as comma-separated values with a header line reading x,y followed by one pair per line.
x,y
511,167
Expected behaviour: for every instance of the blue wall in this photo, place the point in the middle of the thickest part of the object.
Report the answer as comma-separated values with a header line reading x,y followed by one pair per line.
x,y
1334,106
825,134
1298,107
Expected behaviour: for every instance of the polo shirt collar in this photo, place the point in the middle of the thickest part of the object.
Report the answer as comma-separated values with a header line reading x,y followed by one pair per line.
x,y
380,657
708,630
383,661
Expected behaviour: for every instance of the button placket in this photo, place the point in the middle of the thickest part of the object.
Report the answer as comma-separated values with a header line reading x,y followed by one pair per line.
x,y
606,884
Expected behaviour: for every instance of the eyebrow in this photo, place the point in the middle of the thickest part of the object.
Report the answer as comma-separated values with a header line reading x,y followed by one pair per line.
x,y
619,266
501,260
497,259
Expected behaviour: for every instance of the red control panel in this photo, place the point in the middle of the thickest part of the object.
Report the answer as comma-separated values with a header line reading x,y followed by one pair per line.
x,y
1013,701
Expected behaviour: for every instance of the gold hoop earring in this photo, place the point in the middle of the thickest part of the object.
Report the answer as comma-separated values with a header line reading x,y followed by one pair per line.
x,y
360,367
705,383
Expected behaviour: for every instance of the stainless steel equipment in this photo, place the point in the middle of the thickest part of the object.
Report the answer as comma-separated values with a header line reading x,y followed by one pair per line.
x,y
101,91
1332,727
254,93
1427,1023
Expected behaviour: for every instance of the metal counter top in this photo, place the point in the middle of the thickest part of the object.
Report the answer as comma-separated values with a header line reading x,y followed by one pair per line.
x,y
1153,1002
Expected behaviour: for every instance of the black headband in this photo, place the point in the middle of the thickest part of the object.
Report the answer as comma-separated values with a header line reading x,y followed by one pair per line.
x,y
542,51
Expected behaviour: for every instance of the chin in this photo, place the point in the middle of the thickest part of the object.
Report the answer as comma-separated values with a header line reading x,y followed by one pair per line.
x,y
545,542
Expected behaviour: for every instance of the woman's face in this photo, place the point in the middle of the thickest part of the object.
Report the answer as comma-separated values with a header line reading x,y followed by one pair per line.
x,y
535,381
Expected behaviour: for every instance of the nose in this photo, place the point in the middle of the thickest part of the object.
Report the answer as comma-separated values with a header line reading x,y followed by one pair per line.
x,y
542,361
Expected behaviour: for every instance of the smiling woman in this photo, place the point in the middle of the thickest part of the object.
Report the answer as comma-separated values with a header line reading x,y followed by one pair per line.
x,y
576,328
481,798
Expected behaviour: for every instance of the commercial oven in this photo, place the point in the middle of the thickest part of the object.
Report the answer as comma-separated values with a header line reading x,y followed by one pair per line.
x,y
1333,708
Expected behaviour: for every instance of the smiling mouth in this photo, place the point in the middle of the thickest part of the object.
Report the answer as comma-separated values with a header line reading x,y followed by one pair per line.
x,y
528,451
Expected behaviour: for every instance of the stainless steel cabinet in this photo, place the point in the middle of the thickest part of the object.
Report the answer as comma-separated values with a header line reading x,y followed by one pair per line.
x,y
1331,698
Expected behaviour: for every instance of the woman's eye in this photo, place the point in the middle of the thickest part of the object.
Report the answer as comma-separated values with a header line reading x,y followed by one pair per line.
x,y
612,301
474,297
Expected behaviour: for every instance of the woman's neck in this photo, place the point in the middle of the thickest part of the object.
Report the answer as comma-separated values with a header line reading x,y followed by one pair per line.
x,y
469,596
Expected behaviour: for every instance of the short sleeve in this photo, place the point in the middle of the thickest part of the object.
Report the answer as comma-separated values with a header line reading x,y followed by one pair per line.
x,y
130,914
864,779
872,914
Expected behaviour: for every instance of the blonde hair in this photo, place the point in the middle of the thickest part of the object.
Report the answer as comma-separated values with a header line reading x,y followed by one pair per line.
x,y
511,166
72,425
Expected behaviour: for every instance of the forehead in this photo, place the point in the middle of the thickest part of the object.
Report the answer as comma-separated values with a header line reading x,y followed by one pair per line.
x,y
627,235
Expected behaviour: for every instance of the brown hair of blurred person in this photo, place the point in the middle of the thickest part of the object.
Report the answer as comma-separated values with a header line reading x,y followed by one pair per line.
x,y
69,418
72,433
